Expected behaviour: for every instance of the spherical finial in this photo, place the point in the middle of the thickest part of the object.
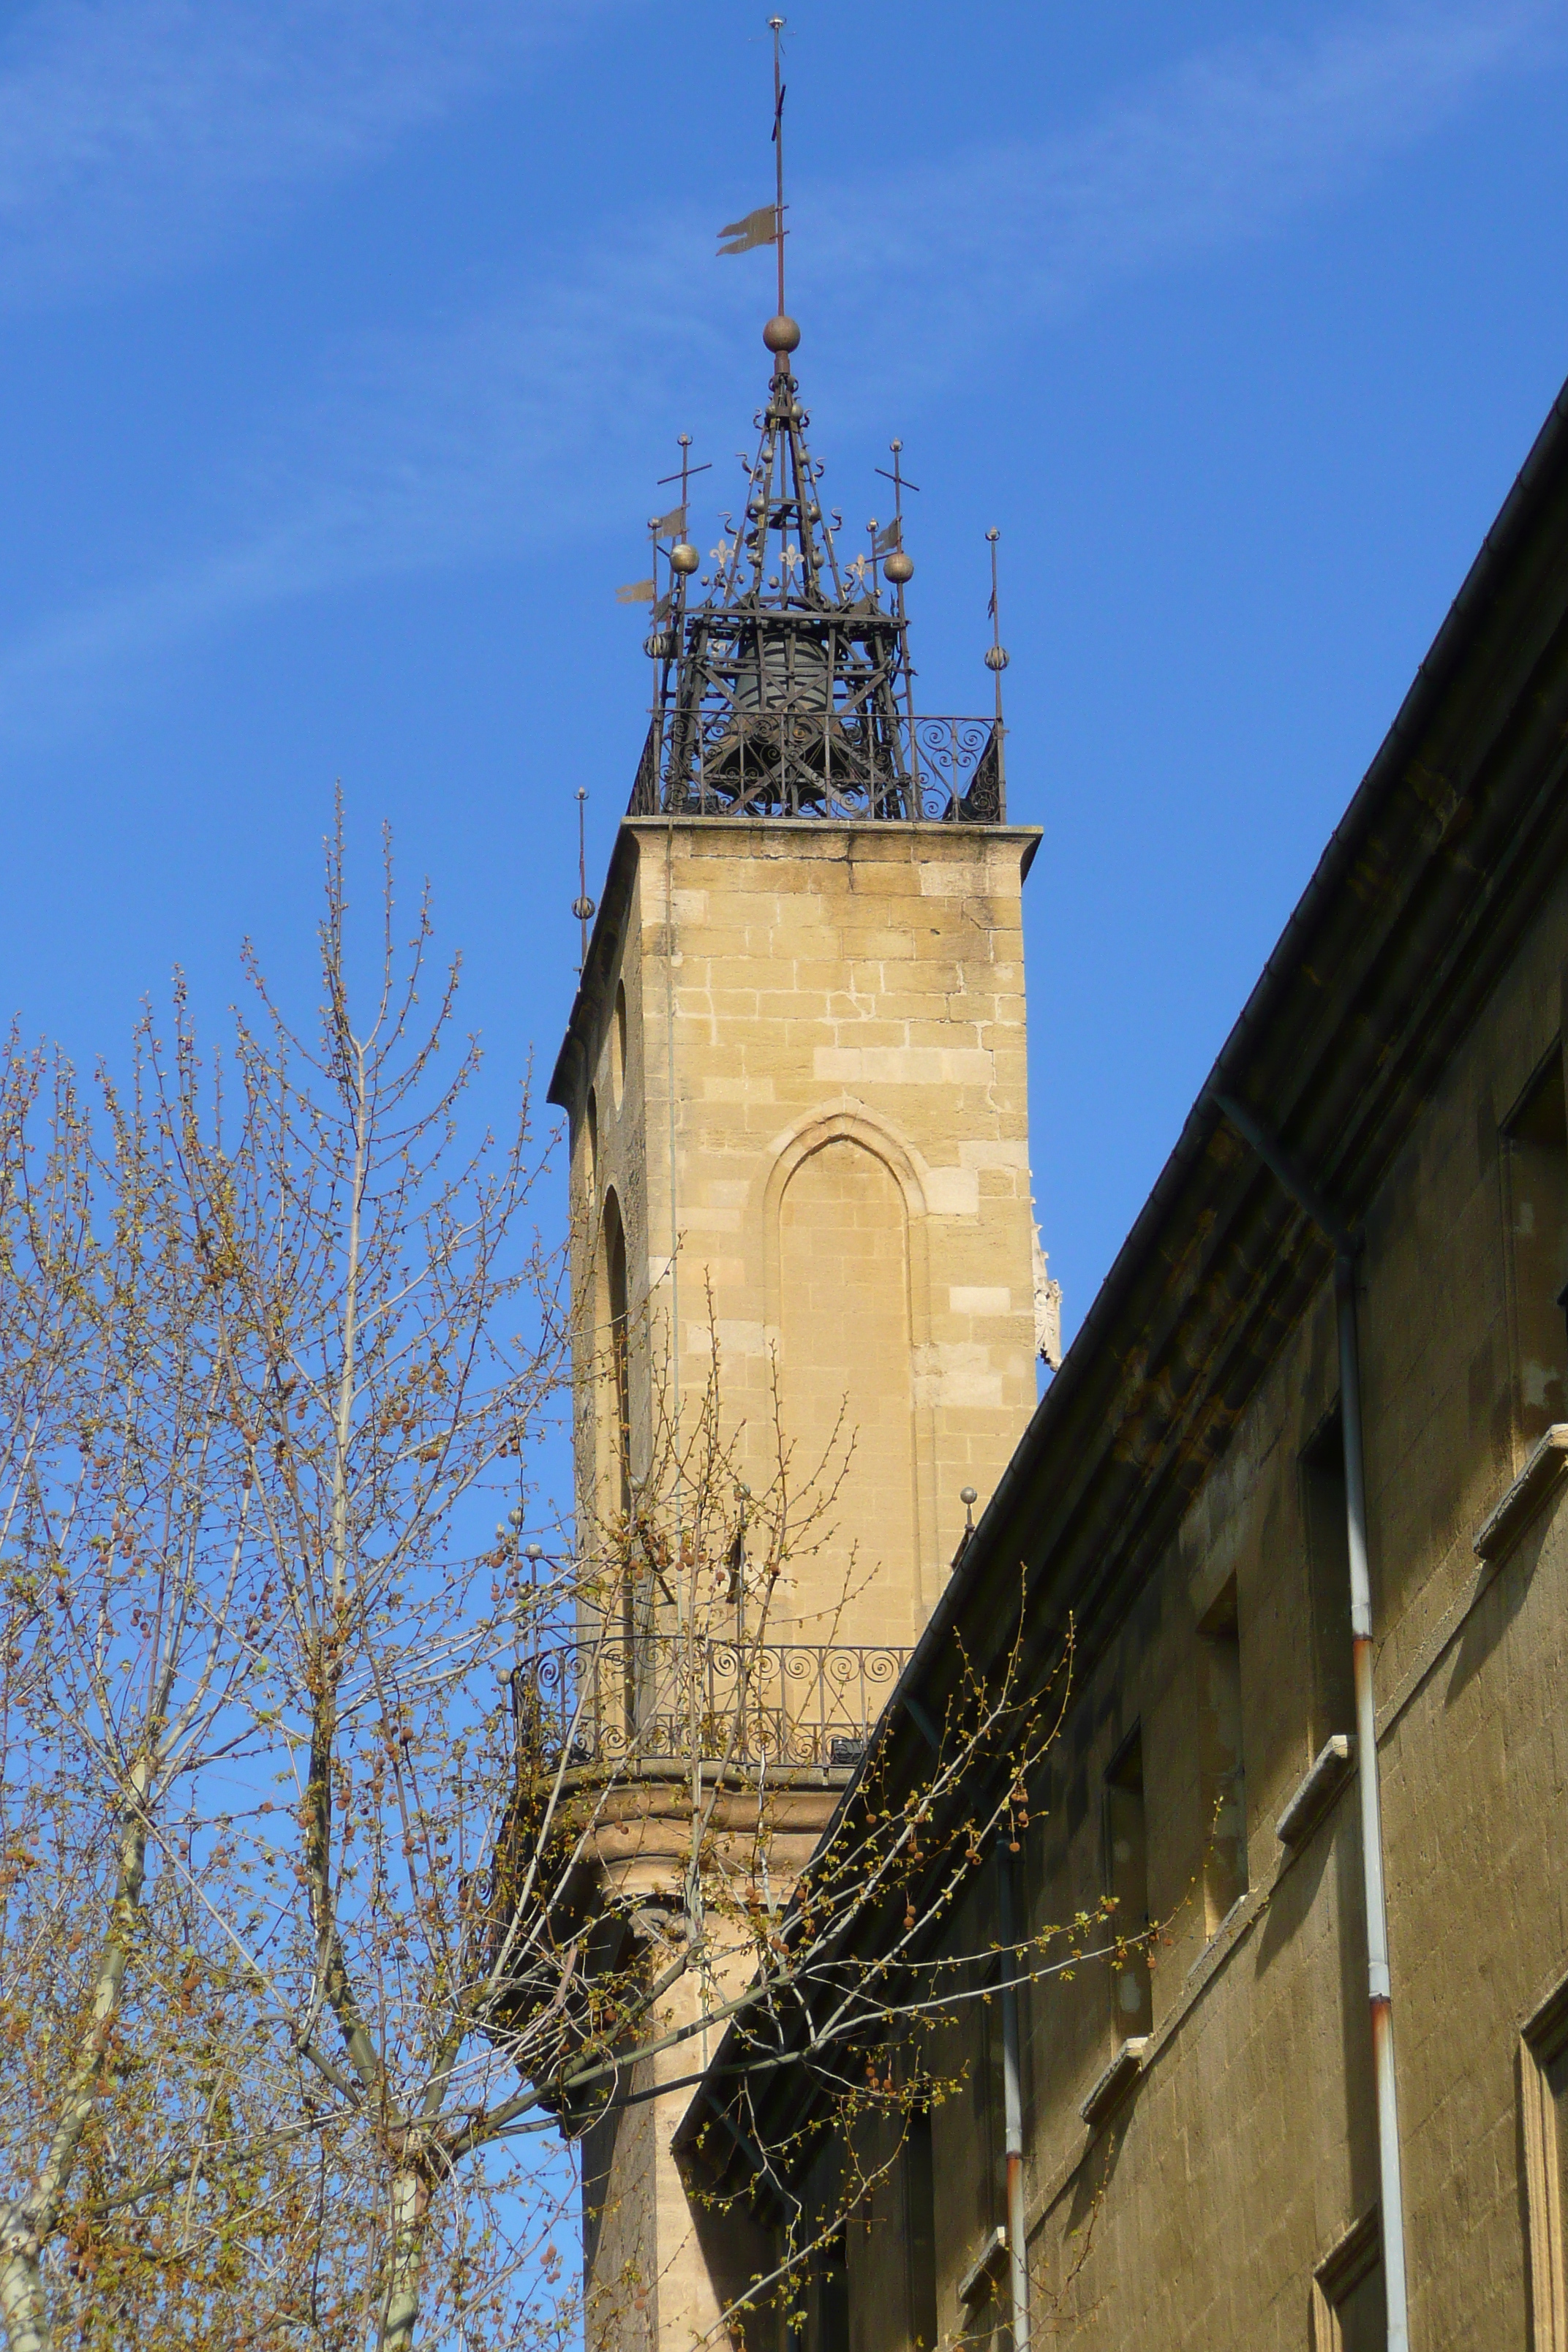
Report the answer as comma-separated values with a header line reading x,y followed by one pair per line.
x,y
683,440
899,568
781,334
683,556
968,1498
584,909
993,535
996,657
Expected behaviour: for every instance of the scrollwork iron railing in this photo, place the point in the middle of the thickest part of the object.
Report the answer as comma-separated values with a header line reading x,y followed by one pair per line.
x,y
662,1698
795,762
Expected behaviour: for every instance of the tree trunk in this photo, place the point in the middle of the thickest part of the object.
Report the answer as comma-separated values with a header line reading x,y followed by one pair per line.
x,y
22,2293
31,2222
410,2212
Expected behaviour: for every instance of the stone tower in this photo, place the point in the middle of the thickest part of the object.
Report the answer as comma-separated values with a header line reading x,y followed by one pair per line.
x,y
794,1073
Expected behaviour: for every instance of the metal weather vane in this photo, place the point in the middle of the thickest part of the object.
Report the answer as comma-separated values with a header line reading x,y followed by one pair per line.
x,y
766,225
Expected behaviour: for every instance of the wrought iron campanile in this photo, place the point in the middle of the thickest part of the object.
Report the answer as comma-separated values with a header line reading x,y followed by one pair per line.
x,y
783,687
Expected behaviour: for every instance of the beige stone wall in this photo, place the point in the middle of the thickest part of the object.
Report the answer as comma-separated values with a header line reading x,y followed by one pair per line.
x,y
814,1114
1197,2216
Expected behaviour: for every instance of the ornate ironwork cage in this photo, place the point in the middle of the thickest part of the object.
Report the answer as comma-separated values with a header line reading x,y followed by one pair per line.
x,y
662,1698
785,689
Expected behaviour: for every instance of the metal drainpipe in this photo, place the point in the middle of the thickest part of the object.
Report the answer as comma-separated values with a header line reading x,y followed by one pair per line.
x,y
1391,2193
1013,2112
1390,2188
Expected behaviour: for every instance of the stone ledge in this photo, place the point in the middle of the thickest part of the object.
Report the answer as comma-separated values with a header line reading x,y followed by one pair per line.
x,y
1116,2081
1502,1525
1493,1542
1313,1790
980,2279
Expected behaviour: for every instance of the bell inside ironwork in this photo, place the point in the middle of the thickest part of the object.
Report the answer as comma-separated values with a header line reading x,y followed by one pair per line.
x,y
787,670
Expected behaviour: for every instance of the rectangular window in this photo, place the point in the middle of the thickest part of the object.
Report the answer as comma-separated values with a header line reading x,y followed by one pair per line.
x,y
1536,1171
1544,2086
1349,2309
987,2129
920,2231
1127,1879
1332,1699
1222,1771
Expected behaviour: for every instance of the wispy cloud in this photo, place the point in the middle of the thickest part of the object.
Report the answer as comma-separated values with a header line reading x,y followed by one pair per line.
x,y
501,436
1223,149
531,418
136,136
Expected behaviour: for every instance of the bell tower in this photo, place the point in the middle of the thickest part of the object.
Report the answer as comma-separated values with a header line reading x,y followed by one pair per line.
x,y
794,1074
795,1069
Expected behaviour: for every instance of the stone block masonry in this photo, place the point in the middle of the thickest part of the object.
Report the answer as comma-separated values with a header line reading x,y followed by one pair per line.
x,y
822,1128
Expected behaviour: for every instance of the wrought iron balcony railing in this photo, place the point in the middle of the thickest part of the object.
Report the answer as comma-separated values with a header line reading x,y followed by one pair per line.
x,y
848,765
662,1698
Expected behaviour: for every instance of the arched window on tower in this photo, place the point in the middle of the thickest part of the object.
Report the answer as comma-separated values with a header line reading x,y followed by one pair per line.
x,y
618,1045
844,1306
617,1366
614,1451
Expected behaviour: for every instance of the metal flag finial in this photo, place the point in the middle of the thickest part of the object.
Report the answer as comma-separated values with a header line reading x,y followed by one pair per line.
x,y
898,567
683,557
766,225
775,26
995,652
583,907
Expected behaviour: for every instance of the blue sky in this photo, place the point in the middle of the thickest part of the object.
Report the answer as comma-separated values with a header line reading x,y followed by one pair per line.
x,y
344,342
